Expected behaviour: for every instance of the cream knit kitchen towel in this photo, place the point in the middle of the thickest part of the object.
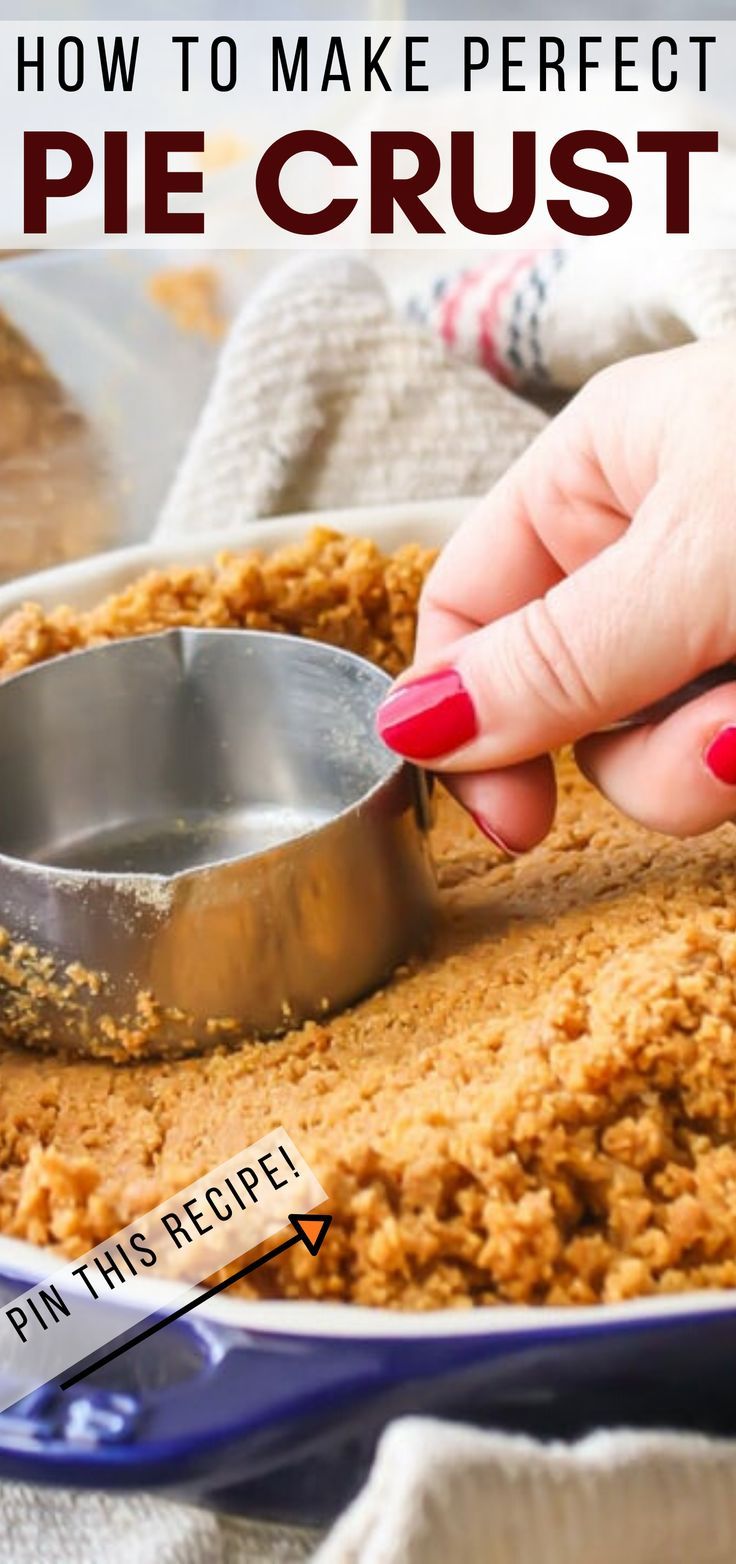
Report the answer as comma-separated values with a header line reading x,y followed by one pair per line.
x,y
440,1494
57,1526
324,397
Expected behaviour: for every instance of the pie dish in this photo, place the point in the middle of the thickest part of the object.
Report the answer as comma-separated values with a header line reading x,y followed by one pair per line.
x,y
273,1405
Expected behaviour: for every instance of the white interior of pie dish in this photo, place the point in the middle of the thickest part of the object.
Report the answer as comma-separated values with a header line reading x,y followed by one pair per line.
x,y
82,584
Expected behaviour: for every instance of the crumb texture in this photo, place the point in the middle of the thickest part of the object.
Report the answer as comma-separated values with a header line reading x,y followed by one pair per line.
x,y
329,587
56,498
191,297
543,1110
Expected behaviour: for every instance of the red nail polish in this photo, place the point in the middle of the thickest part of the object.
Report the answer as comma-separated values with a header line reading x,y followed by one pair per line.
x,y
720,756
493,836
428,717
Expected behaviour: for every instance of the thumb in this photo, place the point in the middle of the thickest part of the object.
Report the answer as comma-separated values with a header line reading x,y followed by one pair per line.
x,y
613,637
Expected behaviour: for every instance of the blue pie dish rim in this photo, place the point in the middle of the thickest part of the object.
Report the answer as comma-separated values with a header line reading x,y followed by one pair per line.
x,y
274,1408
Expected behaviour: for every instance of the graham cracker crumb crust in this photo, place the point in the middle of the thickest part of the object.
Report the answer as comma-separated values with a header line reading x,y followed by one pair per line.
x,y
56,498
541,1111
191,297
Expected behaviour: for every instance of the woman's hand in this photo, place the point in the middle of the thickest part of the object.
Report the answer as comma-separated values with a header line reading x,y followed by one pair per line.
x,y
596,578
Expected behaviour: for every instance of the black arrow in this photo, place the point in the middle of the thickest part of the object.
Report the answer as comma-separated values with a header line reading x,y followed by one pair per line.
x,y
308,1230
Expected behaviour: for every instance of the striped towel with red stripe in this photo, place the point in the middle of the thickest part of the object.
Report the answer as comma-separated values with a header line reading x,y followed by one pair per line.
x,y
492,314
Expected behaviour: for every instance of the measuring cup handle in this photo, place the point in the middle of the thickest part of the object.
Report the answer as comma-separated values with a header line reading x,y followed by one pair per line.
x,y
724,673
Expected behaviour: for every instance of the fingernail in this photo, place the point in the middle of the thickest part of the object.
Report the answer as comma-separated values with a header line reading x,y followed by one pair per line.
x,y
428,717
493,836
720,756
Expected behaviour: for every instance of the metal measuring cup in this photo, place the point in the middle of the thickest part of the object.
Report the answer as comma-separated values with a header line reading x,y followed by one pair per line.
x,y
201,837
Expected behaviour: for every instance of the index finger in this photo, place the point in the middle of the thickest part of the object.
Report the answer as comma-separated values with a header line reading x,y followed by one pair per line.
x,y
551,512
